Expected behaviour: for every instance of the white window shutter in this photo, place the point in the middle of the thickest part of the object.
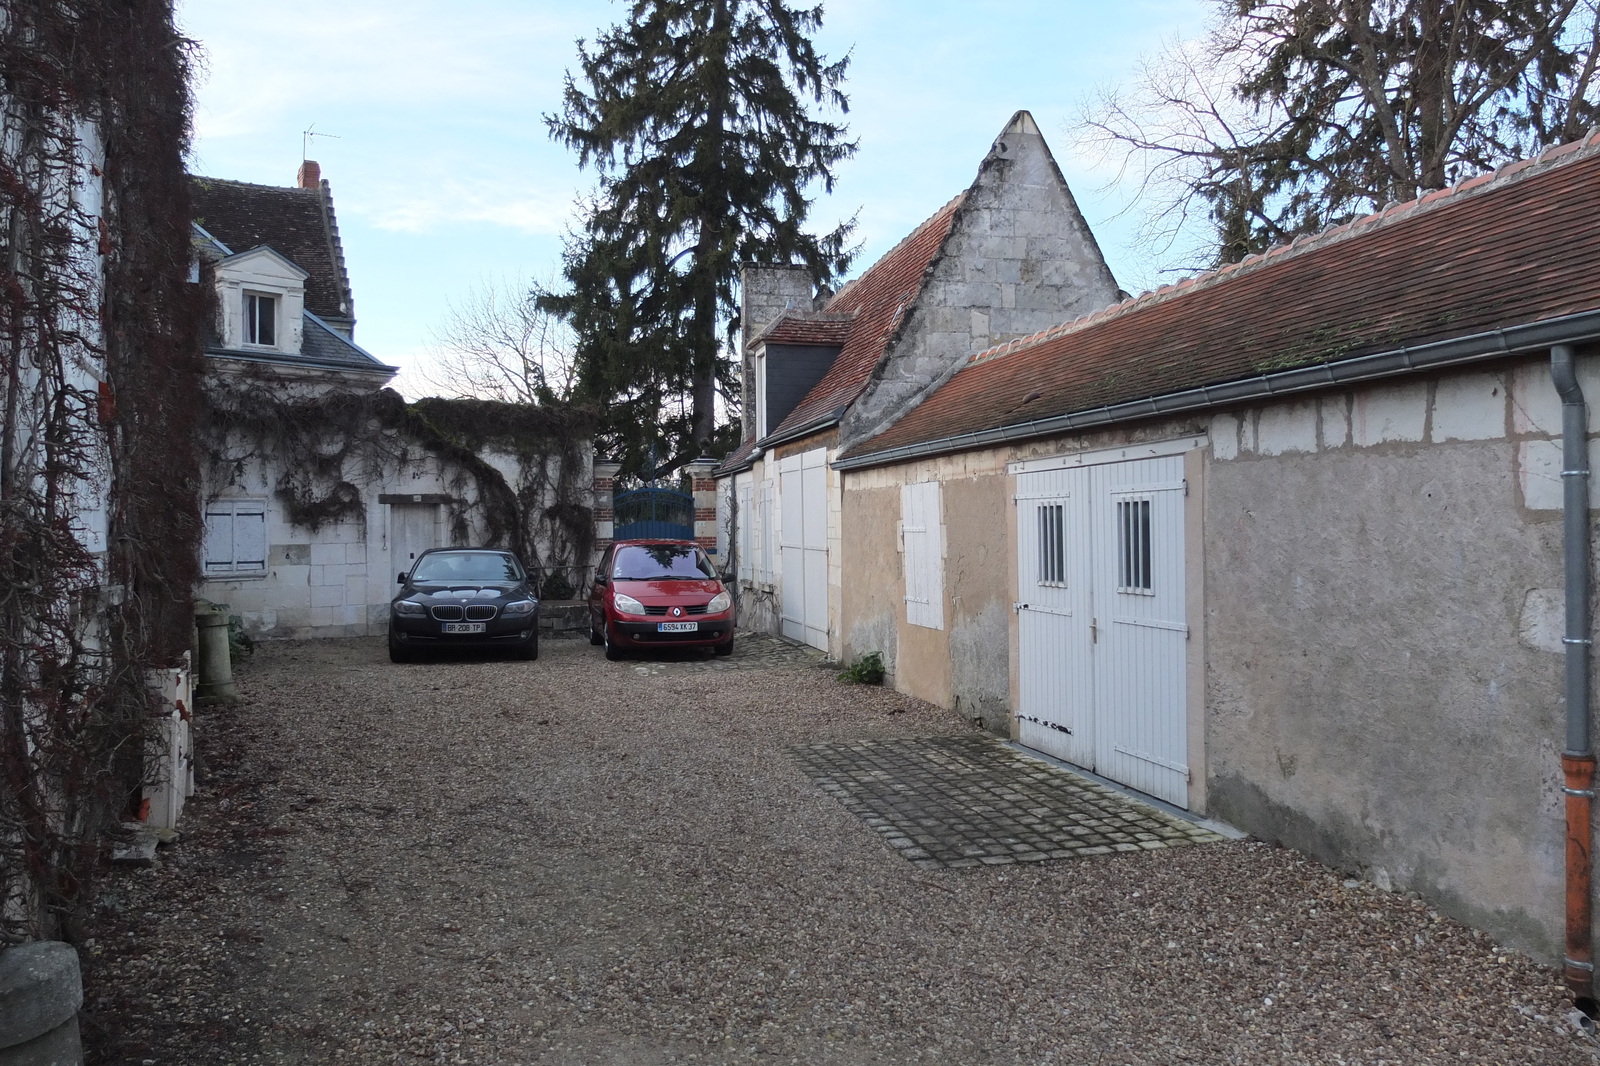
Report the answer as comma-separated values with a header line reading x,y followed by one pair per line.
x,y
218,546
249,537
746,521
235,539
924,554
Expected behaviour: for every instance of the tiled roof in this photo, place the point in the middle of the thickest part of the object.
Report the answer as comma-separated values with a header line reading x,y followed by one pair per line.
x,y
808,327
736,461
325,344
875,303
291,221
1517,246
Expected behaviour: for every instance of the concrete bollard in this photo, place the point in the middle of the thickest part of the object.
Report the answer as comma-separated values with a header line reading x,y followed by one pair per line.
x,y
40,993
215,681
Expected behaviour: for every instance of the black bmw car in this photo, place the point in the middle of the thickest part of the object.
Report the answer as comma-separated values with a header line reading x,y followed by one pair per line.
x,y
464,598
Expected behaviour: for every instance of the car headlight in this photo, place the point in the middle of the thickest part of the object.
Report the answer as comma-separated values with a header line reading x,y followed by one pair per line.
x,y
627,604
409,607
519,607
719,603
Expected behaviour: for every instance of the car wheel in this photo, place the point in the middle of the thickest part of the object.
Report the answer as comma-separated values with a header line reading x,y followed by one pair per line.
x,y
398,653
530,650
594,636
724,649
612,651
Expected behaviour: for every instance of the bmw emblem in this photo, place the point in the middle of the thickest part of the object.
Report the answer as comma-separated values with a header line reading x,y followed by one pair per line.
x,y
677,612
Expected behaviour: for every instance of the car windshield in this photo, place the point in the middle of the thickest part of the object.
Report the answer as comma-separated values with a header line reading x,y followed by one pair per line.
x,y
467,566
655,562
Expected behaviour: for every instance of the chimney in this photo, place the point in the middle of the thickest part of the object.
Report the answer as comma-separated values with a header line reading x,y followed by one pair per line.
x,y
310,176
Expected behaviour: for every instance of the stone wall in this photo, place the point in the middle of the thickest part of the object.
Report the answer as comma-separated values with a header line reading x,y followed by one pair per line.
x,y
765,292
1019,259
1384,591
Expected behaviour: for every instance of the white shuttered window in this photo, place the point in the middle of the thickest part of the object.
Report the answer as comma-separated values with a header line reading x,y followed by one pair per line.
x,y
745,521
236,538
923,534
767,532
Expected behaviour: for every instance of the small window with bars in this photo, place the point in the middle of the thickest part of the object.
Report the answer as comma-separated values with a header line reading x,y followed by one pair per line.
x,y
1133,547
1052,545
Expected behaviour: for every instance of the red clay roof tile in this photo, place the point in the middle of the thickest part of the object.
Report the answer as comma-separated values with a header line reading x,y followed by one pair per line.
x,y
1515,247
808,327
874,302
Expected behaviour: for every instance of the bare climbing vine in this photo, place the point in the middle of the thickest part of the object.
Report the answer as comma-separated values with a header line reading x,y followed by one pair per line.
x,y
99,359
320,446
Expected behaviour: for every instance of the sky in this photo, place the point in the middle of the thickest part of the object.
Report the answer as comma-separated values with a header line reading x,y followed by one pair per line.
x,y
428,122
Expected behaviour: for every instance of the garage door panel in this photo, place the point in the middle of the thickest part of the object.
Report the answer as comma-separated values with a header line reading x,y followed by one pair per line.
x,y
1103,657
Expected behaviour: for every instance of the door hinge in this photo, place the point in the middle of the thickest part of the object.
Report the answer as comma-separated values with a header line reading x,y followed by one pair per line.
x,y
1094,631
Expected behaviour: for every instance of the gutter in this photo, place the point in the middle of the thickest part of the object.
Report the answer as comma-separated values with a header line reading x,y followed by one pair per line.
x,y
1458,351
375,369
1577,761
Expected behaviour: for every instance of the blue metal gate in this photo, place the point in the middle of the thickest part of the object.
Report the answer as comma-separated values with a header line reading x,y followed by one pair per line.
x,y
652,512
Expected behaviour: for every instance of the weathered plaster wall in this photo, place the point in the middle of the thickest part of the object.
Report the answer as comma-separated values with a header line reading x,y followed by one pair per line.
x,y
977,512
964,666
874,591
1383,622
1019,259
338,580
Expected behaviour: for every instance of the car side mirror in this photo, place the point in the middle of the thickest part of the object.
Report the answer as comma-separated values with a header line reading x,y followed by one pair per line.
x,y
600,579
402,578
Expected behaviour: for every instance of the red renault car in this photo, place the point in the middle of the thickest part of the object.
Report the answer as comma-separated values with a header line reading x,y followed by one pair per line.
x,y
658,594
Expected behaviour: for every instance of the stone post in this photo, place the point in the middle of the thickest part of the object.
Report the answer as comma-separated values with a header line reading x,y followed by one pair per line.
x,y
40,993
605,475
705,504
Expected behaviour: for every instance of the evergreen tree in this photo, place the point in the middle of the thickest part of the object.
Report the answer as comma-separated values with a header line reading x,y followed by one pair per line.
x,y
695,116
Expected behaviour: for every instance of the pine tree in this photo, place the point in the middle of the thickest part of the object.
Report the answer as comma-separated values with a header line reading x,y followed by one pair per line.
x,y
695,116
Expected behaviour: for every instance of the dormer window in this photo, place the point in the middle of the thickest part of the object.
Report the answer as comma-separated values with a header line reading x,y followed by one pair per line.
x,y
261,319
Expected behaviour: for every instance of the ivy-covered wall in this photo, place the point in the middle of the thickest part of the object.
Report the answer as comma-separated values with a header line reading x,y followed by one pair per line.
x,y
100,368
351,482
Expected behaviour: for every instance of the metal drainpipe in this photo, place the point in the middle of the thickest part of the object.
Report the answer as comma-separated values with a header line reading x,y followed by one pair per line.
x,y
1577,761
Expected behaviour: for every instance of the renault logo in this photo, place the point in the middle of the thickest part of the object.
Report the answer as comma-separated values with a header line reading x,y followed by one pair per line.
x,y
677,612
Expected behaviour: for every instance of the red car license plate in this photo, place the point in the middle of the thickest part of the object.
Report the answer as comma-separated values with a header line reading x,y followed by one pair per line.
x,y
465,627
677,627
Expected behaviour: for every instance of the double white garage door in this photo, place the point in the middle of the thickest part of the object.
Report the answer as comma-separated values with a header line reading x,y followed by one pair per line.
x,y
1102,648
803,542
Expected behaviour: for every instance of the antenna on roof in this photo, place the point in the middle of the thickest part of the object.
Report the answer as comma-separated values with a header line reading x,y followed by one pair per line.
x,y
305,140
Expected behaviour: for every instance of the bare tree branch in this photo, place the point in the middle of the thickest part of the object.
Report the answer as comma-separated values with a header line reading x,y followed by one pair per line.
x,y
498,345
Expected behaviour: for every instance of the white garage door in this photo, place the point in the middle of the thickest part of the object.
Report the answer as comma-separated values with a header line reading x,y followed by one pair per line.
x,y
1102,621
803,539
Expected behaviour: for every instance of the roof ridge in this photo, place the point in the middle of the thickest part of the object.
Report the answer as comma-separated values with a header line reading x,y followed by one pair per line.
x,y
1565,154
250,184
949,205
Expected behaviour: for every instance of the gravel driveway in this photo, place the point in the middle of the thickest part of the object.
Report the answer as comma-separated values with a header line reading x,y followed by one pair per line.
x,y
574,861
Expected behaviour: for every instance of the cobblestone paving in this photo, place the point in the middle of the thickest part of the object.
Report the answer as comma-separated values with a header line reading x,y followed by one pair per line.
x,y
972,801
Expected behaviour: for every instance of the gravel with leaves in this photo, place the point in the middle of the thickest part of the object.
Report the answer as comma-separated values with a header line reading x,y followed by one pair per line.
x,y
574,861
